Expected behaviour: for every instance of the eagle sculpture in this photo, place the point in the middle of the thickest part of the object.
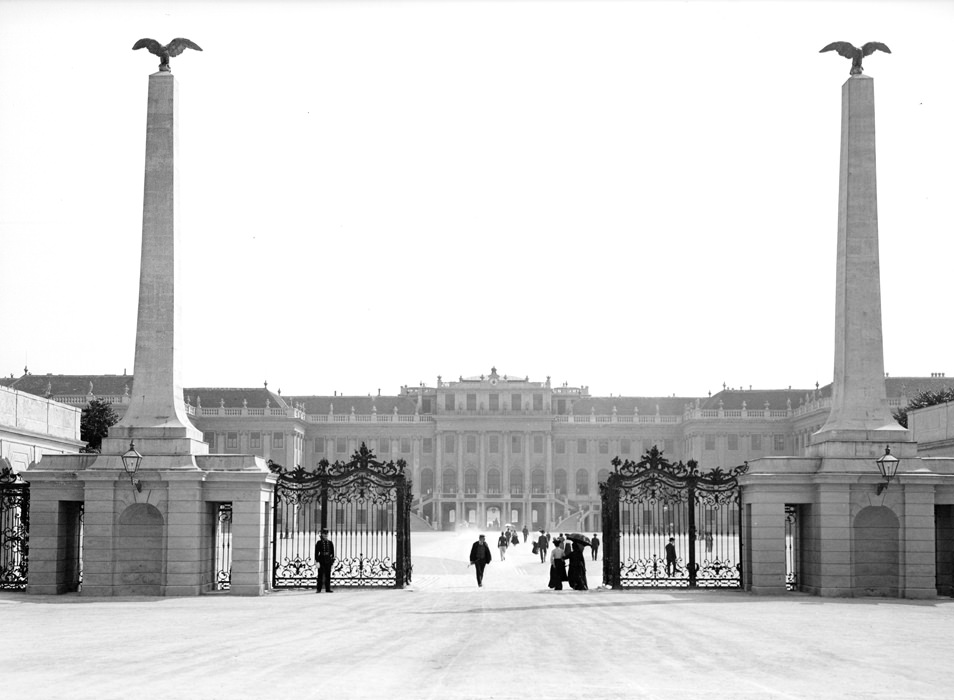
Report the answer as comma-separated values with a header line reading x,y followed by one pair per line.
x,y
173,48
854,53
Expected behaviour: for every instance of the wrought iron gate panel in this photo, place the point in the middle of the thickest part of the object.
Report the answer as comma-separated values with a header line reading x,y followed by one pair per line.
x,y
14,530
648,502
366,506
792,547
222,548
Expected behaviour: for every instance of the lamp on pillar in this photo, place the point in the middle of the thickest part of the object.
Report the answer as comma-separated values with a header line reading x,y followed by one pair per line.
x,y
888,466
131,461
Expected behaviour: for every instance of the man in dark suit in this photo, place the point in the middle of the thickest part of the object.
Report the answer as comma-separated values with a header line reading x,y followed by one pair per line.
x,y
480,556
595,545
325,557
542,544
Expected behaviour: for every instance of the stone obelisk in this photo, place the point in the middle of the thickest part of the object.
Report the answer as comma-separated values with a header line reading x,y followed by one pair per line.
x,y
157,412
859,413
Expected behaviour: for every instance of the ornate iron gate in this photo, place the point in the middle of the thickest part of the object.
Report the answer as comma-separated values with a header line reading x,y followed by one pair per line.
x,y
365,504
14,530
222,548
649,504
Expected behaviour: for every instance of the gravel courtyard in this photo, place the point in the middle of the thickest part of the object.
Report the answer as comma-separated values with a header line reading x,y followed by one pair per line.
x,y
445,638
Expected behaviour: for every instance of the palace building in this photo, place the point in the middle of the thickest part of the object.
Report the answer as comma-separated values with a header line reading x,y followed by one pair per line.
x,y
495,448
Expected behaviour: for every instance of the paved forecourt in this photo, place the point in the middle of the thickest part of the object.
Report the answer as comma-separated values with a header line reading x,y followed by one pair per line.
x,y
445,638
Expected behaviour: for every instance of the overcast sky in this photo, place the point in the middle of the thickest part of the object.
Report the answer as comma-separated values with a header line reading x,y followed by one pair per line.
x,y
639,197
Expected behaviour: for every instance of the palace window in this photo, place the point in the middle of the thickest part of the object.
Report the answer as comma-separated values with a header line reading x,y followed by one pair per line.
x,y
449,443
560,446
604,447
470,481
209,438
516,481
710,442
341,445
515,445
537,481
471,402
779,443
427,445
582,482
493,481
516,402
538,402
405,445
471,444
255,441
425,404
231,441
278,441
625,446
581,446
319,444
756,442
448,402
384,445
494,402
427,481
559,482
494,444
733,441
538,444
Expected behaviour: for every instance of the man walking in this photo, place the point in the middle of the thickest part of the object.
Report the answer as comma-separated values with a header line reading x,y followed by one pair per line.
x,y
480,556
595,545
671,567
325,557
542,544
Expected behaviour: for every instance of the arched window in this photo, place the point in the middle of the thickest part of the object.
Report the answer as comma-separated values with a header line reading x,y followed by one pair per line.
x,y
516,481
449,481
427,482
470,481
559,482
537,481
582,482
493,481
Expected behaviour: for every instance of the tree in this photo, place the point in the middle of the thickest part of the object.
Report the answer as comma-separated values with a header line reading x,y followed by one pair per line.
x,y
95,422
923,399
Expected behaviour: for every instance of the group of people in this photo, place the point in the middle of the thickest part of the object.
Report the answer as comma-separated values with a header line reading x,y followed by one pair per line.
x,y
567,559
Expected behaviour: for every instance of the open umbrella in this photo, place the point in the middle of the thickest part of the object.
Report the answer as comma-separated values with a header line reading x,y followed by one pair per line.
x,y
577,537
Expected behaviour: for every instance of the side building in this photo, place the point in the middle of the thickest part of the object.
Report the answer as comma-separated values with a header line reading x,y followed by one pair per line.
x,y
494,449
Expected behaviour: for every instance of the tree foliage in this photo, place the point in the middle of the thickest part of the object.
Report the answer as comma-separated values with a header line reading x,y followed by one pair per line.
x,y
923,399
95,422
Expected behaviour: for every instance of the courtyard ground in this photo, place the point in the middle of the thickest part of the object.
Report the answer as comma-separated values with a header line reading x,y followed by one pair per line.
x,y
444,638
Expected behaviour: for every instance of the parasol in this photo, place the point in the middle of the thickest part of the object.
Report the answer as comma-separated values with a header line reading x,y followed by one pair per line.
x,y
577,537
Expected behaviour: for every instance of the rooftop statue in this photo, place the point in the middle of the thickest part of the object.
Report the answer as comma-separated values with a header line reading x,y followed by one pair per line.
x,y
173,48
854,53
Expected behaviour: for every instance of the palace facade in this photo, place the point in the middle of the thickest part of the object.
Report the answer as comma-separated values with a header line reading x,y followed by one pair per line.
x,y
493,448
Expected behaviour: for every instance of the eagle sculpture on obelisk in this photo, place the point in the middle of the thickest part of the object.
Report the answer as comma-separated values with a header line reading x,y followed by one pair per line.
x,y
173,48
853,52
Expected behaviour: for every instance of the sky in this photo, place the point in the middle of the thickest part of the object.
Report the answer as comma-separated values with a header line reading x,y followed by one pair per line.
x,y
638,197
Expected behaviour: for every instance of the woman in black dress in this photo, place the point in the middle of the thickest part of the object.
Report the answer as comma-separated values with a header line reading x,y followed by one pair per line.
x,y
557,566
577,573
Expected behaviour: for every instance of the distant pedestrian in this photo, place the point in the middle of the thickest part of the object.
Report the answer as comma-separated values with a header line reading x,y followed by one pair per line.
x,y
526,533
577,569
480,557
557,566
671,566
502,544
595,544
514,539
543,543
325,558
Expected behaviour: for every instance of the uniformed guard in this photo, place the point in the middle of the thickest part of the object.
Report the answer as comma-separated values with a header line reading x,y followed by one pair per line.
x,y
325,557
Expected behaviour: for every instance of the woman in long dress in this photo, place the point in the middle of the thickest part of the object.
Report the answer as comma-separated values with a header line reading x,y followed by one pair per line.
x,y
557,566
577,573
